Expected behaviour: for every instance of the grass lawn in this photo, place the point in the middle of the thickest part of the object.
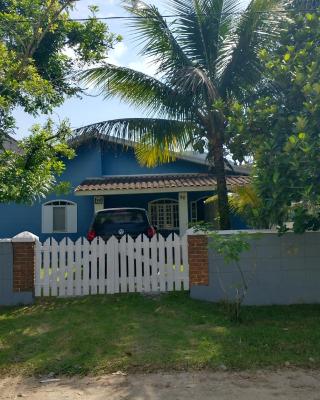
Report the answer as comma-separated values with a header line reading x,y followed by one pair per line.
x,y
132,333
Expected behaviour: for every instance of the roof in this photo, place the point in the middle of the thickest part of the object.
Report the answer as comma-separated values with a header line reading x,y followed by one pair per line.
x,y
191,156
10,143
141,184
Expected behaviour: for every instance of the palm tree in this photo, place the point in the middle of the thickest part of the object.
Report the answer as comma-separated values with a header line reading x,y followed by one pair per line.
x,y
205,56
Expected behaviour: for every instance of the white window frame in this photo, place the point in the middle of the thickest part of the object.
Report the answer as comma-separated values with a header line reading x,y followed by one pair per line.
x,y
160,203
71,216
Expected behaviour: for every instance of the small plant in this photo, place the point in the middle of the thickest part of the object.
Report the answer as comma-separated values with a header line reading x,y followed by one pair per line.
x,y
230,247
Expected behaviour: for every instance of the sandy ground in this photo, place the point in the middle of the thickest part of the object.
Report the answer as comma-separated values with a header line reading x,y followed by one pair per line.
x,y
288,384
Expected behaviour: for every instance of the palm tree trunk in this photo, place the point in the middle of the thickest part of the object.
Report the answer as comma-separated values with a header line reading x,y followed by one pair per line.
x,y
216,150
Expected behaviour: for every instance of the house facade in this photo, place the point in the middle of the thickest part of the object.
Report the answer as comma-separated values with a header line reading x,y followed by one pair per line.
x,y
105,174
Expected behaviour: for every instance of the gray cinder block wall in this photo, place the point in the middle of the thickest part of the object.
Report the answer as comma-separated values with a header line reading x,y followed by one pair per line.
x,y
280,270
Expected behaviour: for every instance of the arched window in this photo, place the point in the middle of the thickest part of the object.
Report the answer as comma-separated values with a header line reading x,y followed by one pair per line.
x,y
59,216
164,214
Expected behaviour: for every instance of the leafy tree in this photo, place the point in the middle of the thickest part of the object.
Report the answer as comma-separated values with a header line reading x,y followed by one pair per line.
x,y
205,56
281,129
29,172
37,74
36,71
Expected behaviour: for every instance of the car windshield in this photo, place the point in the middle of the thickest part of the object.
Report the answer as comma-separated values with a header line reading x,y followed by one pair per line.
x,y
120,217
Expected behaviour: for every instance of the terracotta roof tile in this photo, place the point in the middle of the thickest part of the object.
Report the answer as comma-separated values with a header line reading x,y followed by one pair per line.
x,y
151,182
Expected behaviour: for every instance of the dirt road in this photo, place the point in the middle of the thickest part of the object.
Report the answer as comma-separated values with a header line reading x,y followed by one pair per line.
x,y
282,385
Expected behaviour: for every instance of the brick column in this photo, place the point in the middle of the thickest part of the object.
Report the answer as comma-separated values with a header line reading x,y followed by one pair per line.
x,y
198,260
23,262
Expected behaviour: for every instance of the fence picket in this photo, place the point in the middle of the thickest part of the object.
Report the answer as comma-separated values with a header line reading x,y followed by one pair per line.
x,y
130,255
86,250
161,264
138,246
123,264
102,266
54,268
78,267
111,265
154,264
94,270
169,263
128,265
70,267
146,264
116,266
61,272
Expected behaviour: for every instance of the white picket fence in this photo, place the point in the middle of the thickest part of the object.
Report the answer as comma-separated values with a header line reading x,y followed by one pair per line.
x,y
68,269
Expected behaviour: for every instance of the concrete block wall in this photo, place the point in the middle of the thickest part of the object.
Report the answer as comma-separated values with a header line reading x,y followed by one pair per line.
x,y
279,270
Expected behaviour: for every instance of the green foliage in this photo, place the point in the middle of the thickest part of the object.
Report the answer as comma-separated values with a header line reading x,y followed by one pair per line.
x,y
30,172
230,246
40,49
281,128
245,202
206,56
36,70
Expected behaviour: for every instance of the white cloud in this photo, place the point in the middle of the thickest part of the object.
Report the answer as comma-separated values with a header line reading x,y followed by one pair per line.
x,y
144,65
116,55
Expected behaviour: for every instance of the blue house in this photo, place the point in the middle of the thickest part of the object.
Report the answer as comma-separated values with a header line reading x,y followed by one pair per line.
x,y
105,174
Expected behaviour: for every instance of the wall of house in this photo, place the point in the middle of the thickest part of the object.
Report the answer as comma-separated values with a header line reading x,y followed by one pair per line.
x,y
119,161
16,218
93,160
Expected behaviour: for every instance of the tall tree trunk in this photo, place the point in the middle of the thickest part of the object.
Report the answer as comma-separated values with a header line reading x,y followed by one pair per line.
x,y
216,150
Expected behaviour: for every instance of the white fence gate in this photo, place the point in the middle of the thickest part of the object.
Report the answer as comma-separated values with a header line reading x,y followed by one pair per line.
x,y
116,266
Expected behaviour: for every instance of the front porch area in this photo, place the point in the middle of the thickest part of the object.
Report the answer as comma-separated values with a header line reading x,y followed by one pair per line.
x,y
173,202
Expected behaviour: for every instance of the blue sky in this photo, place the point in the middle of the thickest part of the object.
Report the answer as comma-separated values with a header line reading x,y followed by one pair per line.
x,y
93,109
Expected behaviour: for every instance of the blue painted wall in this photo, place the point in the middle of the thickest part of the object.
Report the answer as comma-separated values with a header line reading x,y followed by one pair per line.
x,y
119,161
92,160
15,218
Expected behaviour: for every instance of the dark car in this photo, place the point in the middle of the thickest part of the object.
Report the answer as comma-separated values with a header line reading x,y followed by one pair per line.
x,y
119,222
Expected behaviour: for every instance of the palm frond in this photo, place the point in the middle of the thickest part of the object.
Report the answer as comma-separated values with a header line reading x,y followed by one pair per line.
x,y
156,140
198,84
240,199
140,90
201,27
239,65
158,40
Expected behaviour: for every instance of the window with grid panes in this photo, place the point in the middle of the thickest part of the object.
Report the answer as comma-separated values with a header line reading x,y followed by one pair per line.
x,y
164,214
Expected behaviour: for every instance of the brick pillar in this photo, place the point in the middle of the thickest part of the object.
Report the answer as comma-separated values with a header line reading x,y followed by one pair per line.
x,y
23,263
198,260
